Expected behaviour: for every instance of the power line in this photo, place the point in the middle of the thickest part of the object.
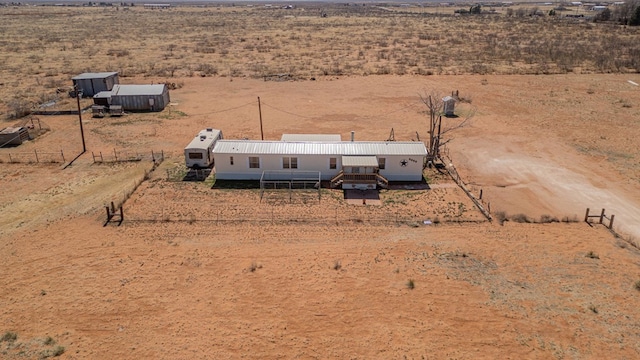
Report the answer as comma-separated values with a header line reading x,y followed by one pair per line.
x,y
286,112
224,110
366,117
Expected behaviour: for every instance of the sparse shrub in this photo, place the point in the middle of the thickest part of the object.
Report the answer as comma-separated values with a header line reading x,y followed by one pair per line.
x,y
501,217
49,341
592,255
254,266
520,218
55,352
411,284
593,309
545,219
337,265
118,52
637,285
18,108
9,337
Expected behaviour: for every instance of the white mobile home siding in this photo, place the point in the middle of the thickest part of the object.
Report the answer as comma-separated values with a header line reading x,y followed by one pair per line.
x,y
403,160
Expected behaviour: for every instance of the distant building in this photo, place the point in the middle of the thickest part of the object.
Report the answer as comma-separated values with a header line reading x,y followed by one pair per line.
x,y
13,136
448,103
157,6
135,97
90,84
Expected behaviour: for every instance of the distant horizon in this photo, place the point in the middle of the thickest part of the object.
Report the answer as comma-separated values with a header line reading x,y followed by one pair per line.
x,y
195,2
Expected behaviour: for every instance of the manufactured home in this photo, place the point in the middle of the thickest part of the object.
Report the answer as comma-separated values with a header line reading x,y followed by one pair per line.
x,y
347,164
199,152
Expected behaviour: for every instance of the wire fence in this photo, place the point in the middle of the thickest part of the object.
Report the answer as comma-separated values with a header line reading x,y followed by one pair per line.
x,y
183,173
289,214
33,157
115,155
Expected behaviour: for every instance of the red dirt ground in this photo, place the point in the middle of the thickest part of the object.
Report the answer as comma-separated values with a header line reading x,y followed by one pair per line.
x,y
325,279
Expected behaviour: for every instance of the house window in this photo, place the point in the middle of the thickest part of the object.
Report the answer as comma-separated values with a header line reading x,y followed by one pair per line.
x,y
333,163
289,163
195,156
382,163
230,160
254,162
355,170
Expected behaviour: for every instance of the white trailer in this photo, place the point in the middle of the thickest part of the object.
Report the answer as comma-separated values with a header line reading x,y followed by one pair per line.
x,y
199,152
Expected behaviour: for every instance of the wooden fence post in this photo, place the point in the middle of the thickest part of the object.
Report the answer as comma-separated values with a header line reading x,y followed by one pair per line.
x,y
36,152
108,216
115,154
586,216
480,194
62,153
601,216
611,222
10,159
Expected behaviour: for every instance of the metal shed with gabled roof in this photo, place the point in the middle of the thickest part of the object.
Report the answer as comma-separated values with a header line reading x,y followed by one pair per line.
x,y
92,83
140,97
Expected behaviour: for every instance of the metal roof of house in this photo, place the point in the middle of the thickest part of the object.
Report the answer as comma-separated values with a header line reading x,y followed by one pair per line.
x,y
132,90
311,137
98,75
367,161
257,147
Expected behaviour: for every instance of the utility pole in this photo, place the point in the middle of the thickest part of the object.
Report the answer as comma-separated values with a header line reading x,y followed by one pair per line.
x,y
84,147
260,111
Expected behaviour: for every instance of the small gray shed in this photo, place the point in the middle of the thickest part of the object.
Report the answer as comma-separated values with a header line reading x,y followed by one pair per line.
x,y
449,104
13,136
92,83
140,97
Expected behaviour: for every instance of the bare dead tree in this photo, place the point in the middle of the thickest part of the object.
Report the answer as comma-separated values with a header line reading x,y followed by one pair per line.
x,y
434,103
